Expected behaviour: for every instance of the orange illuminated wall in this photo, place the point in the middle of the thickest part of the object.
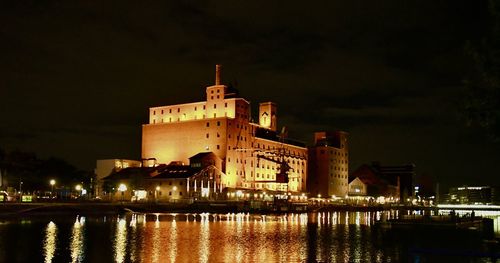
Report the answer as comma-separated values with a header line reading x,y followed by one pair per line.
x,y
221,124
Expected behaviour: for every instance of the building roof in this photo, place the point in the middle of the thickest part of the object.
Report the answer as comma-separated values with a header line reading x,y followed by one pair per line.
x,y
201,155
175,171
158,172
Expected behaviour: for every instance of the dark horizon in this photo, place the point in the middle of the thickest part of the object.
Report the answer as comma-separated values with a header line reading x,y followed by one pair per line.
x,y
77,78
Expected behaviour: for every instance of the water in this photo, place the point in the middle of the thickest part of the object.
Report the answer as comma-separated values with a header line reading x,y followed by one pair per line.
x,y
323,237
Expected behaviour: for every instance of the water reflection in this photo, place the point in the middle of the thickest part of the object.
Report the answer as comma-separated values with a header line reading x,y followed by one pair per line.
x,y
77,240
233,237
49,245
204,238
120,243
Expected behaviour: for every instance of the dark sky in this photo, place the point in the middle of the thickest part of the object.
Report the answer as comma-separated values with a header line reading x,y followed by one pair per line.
x,y
77,77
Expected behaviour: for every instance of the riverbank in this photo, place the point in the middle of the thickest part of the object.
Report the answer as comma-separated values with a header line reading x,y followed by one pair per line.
x,y
105,208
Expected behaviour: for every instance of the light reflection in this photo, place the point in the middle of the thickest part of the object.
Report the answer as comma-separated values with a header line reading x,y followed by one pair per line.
x,y
120,244
204,240
156,240
173,241
49,245
77,242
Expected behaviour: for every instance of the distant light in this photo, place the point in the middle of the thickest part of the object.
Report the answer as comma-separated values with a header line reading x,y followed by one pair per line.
x,y
158,188
174,188
52,182
78,187
122,188
319,195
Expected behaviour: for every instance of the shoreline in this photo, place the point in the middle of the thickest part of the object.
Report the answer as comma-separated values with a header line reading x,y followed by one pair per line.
x,y
86,208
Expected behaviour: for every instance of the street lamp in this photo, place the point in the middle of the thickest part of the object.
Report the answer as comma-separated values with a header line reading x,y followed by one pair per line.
x,y
52,183
78,189
122,188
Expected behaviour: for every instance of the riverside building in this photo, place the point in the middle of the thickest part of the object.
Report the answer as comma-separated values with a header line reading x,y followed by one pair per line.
x,y
329,165
252,154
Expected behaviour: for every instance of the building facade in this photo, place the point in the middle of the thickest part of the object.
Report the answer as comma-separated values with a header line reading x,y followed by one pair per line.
x,y
328,174
252,154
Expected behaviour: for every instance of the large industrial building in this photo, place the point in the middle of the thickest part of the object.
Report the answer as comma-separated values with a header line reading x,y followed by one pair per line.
x,y
254,155
329,165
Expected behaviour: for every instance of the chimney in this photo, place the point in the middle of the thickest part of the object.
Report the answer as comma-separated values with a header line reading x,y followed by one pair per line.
x,y
218,69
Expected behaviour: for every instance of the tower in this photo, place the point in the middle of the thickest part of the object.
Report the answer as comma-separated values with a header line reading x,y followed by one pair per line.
x,y
267,115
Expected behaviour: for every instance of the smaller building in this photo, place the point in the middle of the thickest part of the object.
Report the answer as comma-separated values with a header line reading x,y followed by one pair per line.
x,y
108,166
175,182
357,187
471,195
369,182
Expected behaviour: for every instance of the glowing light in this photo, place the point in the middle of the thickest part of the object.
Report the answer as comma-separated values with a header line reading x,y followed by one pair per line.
x,y
122,188
174,188
120,244
49,245
77,241
78,187
52,182
319,195
158,188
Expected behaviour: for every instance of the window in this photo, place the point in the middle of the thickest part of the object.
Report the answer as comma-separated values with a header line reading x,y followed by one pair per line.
x,y
154,112
170,111
180,193
169,193
218,90
207,135
218,123
203,106
217,96
161,111
211,97
218,147
195,108
225,104
208,124
212,91
178,109
218,135
215,106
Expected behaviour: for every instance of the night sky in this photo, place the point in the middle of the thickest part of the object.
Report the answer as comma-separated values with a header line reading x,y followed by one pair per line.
x,y
77,77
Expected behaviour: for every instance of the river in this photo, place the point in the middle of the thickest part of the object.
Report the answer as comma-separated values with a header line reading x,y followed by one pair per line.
x,y
313,237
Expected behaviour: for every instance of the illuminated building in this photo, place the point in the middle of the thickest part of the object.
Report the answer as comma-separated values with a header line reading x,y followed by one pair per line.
x,y
471,195
376,184
329,165
251,153
108,166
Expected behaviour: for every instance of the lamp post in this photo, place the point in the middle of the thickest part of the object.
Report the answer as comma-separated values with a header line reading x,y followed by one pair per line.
x,y
122,188
78,189
52,183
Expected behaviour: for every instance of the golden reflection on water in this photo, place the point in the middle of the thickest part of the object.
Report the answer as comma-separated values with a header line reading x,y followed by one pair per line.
x,y
120,244
49,245
173,241
238,237
204,239
77,240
